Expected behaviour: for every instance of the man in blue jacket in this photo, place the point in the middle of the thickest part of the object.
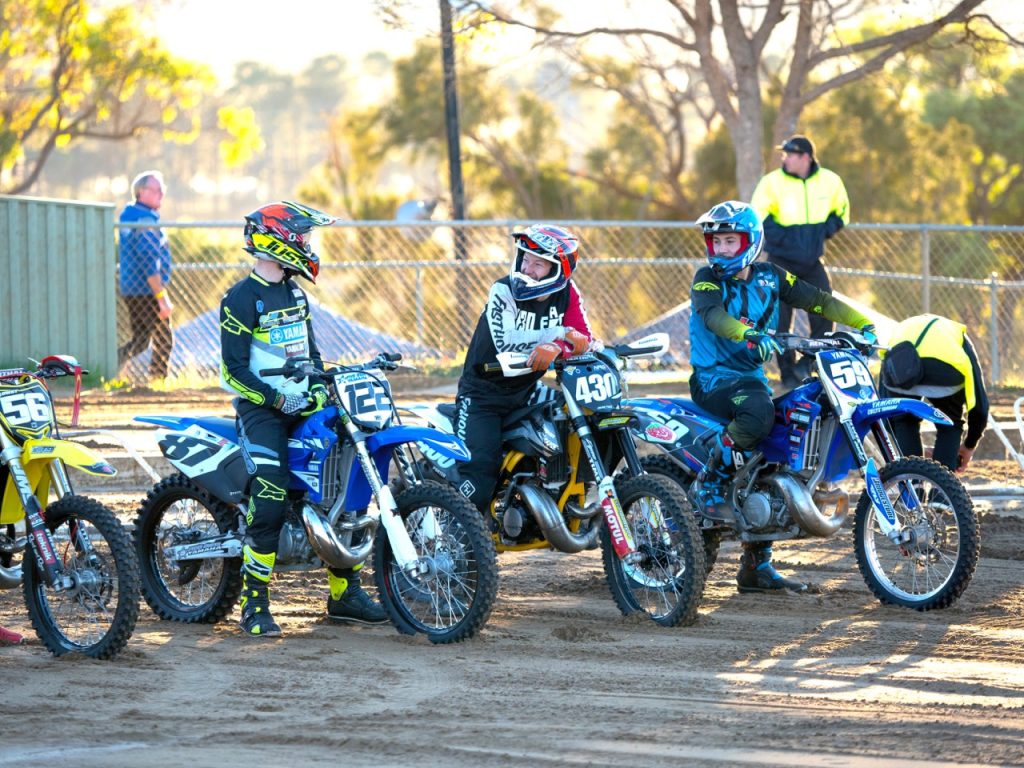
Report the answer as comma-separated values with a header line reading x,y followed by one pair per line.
x,y
145,273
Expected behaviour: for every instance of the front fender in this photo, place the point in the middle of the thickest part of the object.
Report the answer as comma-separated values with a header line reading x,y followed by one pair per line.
x,y
74,455
867,413
447,445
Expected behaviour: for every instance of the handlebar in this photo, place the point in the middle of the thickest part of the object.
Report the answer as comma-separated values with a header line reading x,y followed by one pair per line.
x,y
303,367
836,340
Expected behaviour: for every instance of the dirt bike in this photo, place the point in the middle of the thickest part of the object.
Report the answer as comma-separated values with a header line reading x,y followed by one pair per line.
x,y
434,563
555,490
915,529
78,573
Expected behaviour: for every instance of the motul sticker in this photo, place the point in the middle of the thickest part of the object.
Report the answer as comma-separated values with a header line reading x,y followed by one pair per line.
x,y
613,518
661,433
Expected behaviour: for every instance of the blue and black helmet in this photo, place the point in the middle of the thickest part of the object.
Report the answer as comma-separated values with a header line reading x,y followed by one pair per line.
x,y
733,216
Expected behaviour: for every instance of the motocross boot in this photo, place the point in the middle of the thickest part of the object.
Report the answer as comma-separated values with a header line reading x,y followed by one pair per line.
x,y
756,573
713,495
348,600
257,568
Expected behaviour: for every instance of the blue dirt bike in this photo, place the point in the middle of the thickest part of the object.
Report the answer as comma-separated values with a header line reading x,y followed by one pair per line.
x,y
915,529
434,562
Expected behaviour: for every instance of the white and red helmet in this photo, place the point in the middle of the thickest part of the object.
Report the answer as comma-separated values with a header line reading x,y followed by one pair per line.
x,y
551,243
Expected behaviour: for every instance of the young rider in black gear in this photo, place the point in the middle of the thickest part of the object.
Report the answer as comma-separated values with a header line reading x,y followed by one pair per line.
x,y
536,308
734,310
264,321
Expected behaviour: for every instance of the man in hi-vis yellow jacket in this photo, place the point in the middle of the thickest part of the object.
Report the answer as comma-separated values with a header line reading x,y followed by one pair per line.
x,y
801,205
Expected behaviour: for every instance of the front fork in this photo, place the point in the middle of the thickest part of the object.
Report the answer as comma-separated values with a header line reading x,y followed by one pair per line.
x,y
885,514
39,536
387,510
621,534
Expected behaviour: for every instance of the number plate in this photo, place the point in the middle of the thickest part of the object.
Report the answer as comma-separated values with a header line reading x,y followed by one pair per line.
x,y
366,398
848,375
25,409
593,385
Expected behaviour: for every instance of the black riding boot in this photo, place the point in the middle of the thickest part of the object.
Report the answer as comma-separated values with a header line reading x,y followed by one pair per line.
x,y
757,574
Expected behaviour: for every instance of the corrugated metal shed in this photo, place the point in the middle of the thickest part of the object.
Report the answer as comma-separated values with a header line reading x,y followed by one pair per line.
x,y
58,291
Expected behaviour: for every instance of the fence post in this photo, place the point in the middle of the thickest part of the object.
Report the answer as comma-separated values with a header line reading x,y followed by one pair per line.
x,y
926,271
993,331
419,305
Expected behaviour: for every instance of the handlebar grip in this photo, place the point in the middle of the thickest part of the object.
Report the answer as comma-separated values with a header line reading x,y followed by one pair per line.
x,y
276,371
492,367
391,357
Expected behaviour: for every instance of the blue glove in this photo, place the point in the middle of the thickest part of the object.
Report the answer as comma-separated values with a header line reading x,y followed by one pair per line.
x,y
766,345
317,400
869,334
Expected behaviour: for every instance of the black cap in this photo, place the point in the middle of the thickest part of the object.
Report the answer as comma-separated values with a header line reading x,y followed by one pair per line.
x,y
902,367
798,143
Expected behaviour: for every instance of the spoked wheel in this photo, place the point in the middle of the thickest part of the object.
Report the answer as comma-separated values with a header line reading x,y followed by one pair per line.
x,y
662,465
935,566
96,614
177,512
665,579
452,601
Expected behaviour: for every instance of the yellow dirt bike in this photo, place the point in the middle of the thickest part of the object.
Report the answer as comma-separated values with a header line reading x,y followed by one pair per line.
x,y
79,574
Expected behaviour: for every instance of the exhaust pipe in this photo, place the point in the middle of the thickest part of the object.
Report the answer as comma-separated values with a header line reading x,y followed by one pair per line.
x,y
803,507
545,513
328,547
10,577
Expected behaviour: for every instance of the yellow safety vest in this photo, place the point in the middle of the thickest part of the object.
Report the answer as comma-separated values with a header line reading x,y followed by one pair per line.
x,y
792,200
940,339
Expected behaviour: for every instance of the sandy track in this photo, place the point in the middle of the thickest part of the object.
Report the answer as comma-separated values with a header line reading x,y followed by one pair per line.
x,y
558,677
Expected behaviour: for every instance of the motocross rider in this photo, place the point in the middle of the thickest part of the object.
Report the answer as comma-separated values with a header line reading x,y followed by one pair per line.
x,y
536,308
734,310
264,320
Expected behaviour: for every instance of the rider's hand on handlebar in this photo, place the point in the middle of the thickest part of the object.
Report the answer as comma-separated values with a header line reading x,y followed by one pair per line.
x,y
543,356
764,344
870,334
291,404
580,342
317,400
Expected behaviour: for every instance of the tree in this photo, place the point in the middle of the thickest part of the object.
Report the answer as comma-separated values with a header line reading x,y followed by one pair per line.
x,y
727,41
66,76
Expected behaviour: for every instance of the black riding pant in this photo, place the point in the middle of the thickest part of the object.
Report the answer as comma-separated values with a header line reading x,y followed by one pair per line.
x,y
816,275
478,418
746,401
263,434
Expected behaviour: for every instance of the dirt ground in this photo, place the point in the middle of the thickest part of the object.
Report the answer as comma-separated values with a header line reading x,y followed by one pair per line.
x,y
557,677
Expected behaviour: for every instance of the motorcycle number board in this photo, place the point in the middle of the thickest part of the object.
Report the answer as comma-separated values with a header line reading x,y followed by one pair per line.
x,y
593,385
366,398
847,374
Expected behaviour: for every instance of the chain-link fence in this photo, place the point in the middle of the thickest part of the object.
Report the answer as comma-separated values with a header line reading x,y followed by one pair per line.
x,y
419,288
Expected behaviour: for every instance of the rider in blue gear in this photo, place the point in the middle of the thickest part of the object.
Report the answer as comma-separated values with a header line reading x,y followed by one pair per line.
x,y
734,314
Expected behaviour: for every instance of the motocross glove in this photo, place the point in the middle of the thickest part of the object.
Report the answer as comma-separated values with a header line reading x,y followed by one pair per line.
x,y
292,403
764,344
543,356
580,342
870,334
317,400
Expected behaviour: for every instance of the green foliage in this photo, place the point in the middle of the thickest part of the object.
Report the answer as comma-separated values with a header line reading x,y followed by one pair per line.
x,y
67,72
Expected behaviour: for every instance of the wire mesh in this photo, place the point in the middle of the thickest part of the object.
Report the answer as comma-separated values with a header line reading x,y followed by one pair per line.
x,y
419,288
